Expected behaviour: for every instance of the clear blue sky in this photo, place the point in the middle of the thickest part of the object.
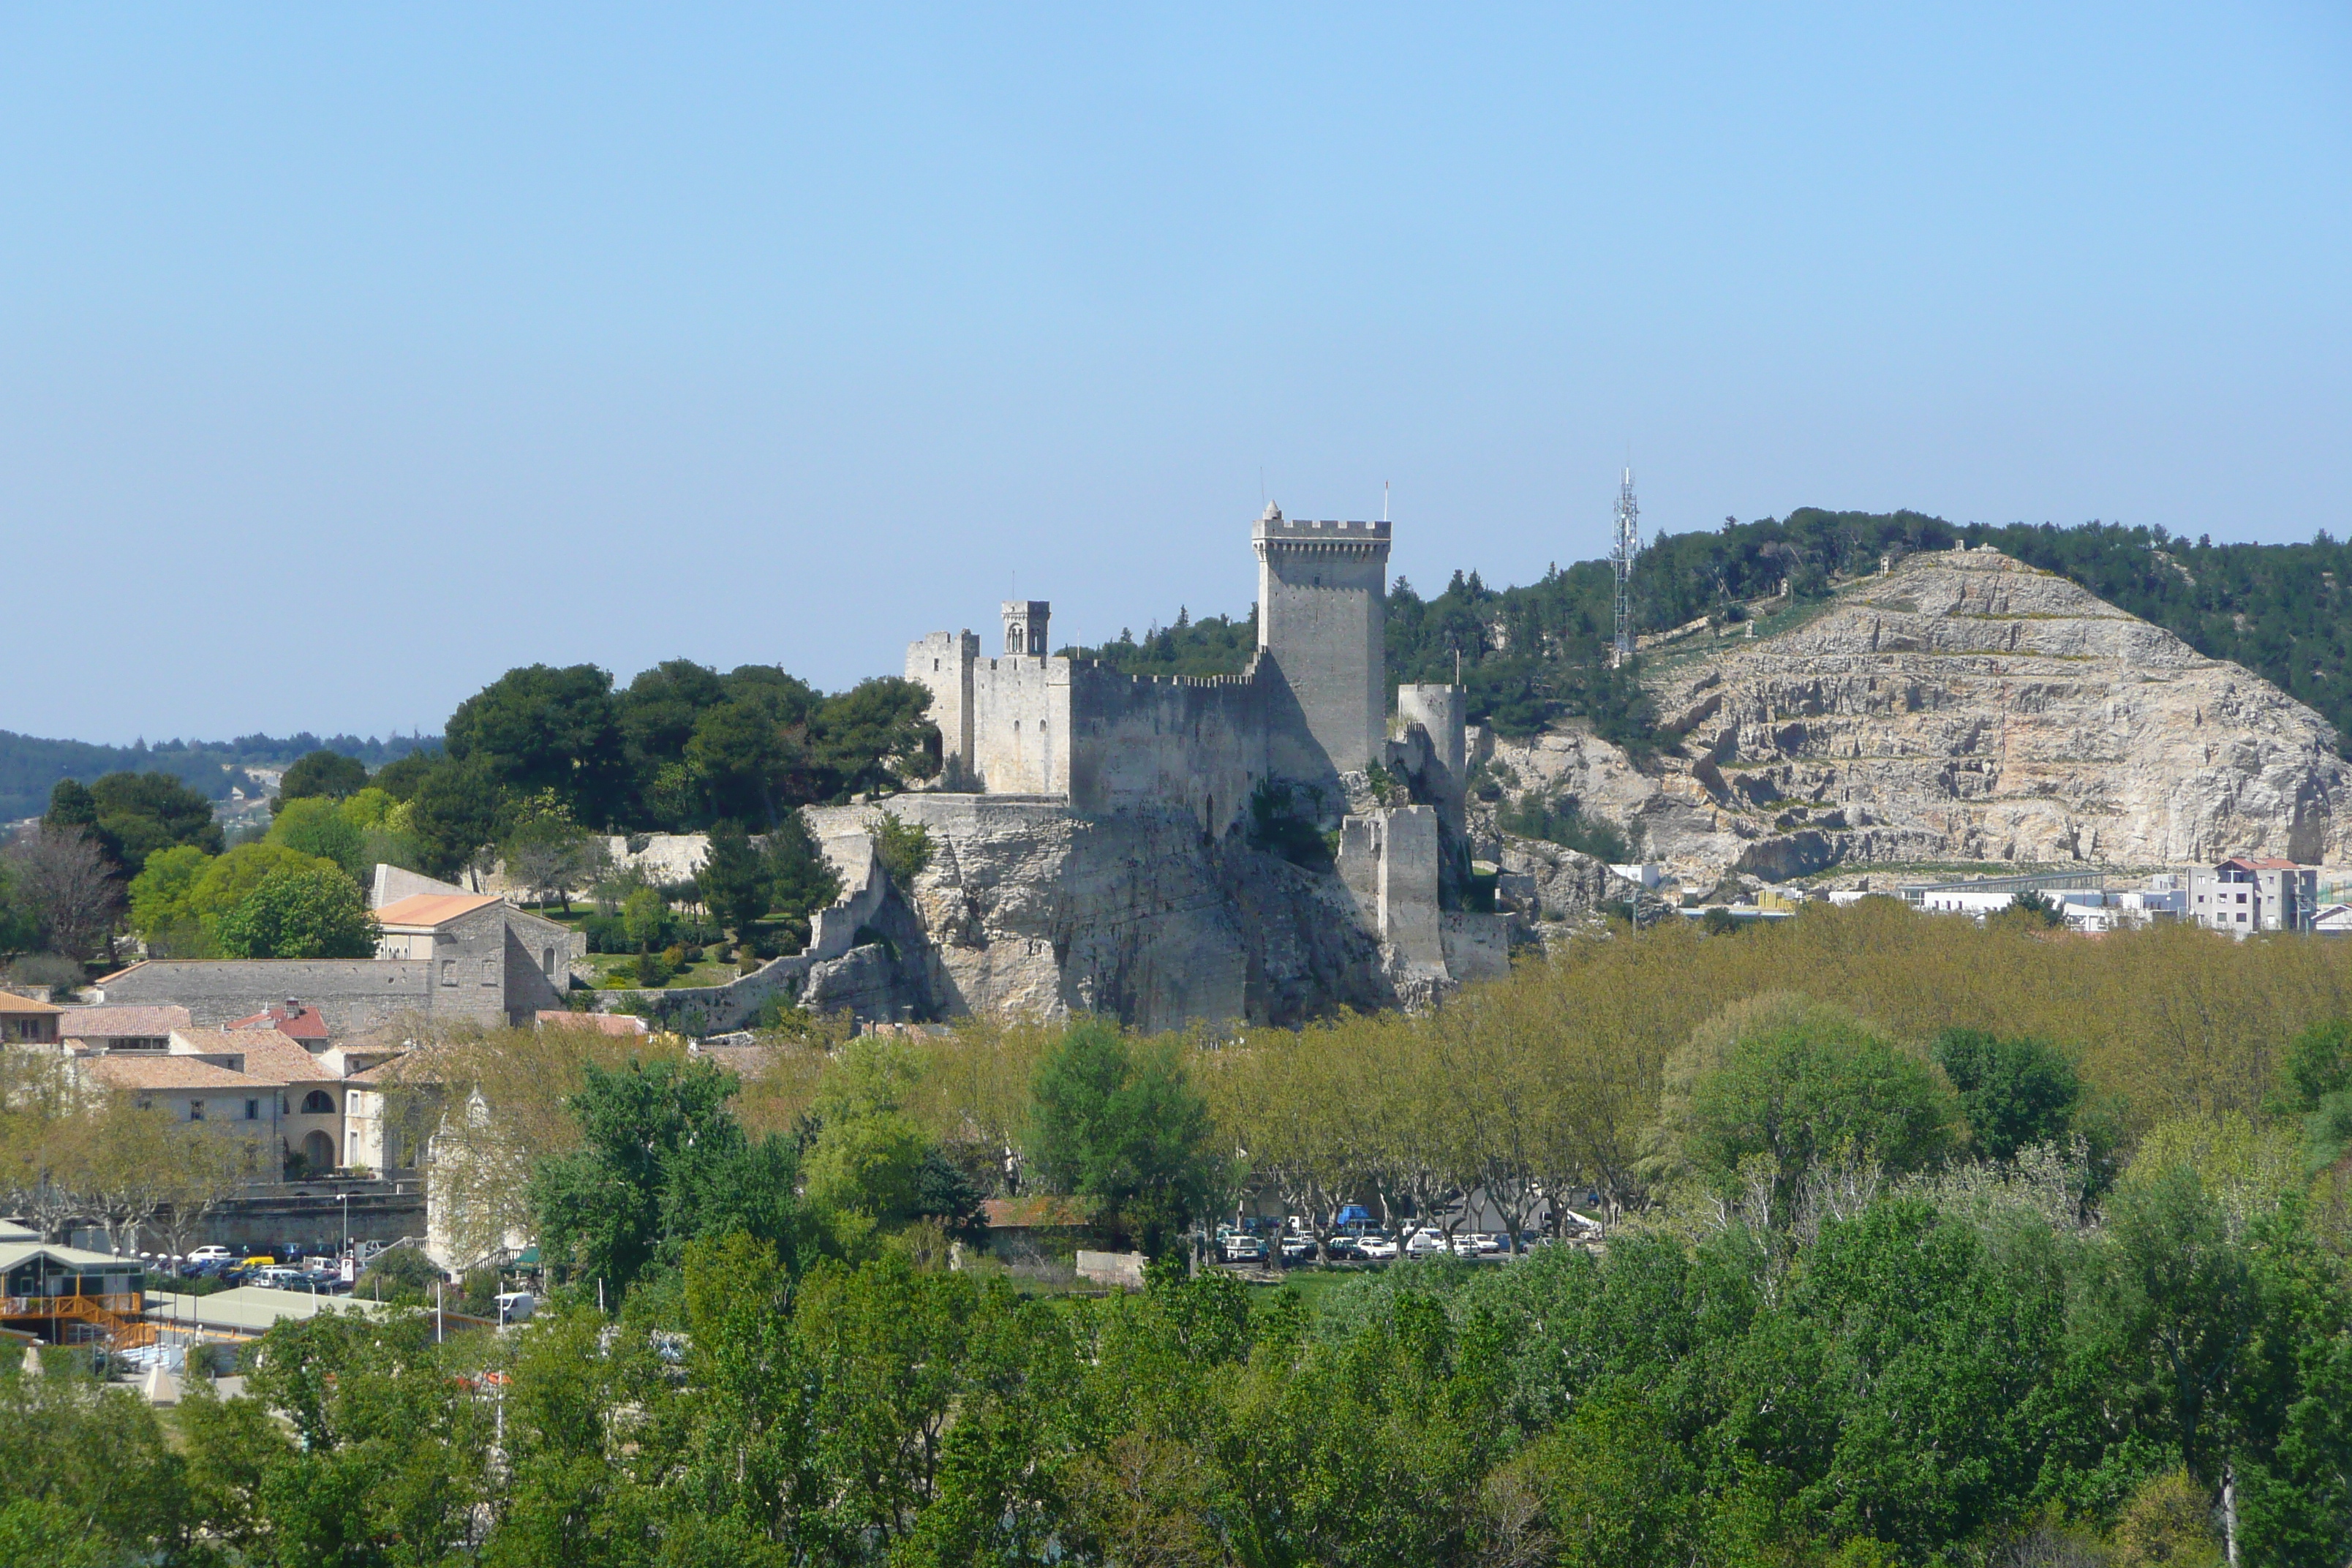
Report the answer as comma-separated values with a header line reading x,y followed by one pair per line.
x,y
350,356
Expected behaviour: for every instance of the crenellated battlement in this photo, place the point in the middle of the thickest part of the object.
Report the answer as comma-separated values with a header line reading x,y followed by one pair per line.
x,y
1295,536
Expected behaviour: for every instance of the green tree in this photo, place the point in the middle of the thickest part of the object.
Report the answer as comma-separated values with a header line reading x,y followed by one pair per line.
x,y
663,1162
142,813
228,880
863,1174
542,728
319,827
73,808
300,913
1797,1084
869,736
456,811
399,777
2319,1063
2013,1092
163,908
744,758
734,877
645,919
320,774
1122,1127
800,879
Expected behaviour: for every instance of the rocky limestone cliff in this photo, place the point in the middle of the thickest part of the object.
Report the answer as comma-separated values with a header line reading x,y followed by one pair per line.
x,y
1026,909
1962,707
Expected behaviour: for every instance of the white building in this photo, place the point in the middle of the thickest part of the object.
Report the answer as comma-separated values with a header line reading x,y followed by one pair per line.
x,y
2241,896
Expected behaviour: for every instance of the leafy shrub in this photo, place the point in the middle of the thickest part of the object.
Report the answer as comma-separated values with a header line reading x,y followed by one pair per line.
x,y
903,848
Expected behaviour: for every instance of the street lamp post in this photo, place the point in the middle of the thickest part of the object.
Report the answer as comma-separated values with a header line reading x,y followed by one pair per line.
x,y
345,1198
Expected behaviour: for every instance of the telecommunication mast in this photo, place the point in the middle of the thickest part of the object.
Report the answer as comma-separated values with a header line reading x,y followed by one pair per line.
x,y
1629,545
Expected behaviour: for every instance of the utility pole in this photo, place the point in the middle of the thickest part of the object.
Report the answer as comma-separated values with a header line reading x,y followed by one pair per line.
x,y
1621,560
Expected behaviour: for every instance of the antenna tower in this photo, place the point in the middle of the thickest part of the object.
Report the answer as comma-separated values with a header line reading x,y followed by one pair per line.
x,y
1629,545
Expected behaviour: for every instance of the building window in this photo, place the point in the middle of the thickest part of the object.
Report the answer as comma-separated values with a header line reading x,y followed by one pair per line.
x,y
448,972
195,1110
253,1110
317,1102
547,960
489,971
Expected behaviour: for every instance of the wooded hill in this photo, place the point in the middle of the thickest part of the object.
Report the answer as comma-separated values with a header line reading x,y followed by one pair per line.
x,y
1537,652
31,767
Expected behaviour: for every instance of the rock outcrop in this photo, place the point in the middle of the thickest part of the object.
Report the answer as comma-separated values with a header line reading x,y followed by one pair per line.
x,y
1963,707
1028,910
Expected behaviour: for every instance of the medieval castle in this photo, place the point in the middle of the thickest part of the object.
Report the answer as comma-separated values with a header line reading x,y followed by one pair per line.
x,y
1307,718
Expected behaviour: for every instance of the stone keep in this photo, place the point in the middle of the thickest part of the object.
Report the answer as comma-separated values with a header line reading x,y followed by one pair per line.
x,y
1321,591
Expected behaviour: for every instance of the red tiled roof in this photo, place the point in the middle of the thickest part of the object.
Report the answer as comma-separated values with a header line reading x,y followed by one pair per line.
x,y
2251,863
296,1022
12,1003
432,909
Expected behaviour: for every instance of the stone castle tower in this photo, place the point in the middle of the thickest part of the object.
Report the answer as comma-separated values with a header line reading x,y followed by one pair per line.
x,y
1322,590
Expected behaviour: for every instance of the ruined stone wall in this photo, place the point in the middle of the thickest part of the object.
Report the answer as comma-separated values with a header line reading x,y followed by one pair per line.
x,y
1189,744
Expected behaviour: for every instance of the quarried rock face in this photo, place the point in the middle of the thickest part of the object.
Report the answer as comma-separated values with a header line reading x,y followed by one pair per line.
x,y
1963,707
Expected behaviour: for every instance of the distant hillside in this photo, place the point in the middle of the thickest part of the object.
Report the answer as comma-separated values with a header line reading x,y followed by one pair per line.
x,y
1537,652
30,766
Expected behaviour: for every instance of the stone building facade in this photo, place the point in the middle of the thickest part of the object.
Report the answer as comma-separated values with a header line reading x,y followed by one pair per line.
x,y
446,952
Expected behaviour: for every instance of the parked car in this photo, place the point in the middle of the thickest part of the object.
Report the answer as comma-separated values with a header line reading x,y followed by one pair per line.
x,y
1294,1247
1424,1244
213,1254
1344,1248
1244,1248
279,1277
1376,1248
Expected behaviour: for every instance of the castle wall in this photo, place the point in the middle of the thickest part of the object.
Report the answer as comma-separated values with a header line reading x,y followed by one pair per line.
x,y
1193,744
1020,725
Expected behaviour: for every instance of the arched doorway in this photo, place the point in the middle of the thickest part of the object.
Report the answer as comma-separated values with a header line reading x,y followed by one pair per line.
x,y
318,1152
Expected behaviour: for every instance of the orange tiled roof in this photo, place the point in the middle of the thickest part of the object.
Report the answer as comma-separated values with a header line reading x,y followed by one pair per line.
x,y
113,1023
270,1057
12,1003
432,909
145,1069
